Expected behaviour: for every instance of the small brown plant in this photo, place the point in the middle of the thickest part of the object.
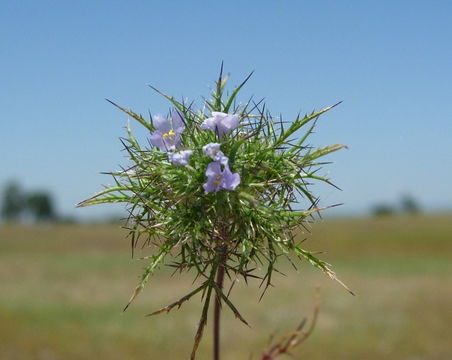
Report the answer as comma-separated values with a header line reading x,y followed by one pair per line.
x,y
294,338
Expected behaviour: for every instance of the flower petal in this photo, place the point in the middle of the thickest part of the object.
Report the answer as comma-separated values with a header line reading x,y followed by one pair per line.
x,y
213,169
178,121
230,122
221,123
230,180
209,124
156,139
209,187
219,115
161,123
180,158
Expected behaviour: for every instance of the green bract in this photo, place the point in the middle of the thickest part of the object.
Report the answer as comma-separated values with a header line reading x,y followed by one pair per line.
x,y
238,230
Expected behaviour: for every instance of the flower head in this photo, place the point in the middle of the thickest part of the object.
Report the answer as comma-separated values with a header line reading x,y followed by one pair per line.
x,y
167,131
180,158
253,223
221,123
218,178
213,151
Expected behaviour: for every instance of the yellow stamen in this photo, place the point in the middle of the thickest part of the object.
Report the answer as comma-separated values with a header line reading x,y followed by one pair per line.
x,y
170,133
216,182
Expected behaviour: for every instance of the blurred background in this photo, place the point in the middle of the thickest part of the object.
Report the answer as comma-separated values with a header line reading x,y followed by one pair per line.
x,y
65,273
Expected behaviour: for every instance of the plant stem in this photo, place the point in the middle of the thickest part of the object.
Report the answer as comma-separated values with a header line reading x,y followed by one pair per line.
x,y
217,313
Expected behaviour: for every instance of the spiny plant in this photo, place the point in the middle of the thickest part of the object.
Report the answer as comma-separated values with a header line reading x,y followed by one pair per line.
x,y
219,190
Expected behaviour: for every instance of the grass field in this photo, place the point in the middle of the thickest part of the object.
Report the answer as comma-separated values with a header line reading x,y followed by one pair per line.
x,y
62,290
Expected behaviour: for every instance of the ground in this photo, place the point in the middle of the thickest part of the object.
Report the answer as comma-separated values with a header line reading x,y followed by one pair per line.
x,y
63,289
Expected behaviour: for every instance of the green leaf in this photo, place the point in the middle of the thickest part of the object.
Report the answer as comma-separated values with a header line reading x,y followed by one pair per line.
x,y
298,123
324,151
137,117
235,92
99,199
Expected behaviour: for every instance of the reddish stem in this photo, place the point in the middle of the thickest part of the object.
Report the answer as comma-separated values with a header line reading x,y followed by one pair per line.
x,y
216,315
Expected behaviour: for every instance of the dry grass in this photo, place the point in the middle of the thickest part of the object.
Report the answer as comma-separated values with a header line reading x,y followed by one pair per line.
x,y
63,289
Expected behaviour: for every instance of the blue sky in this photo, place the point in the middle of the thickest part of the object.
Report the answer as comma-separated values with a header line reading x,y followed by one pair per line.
x,y
389,61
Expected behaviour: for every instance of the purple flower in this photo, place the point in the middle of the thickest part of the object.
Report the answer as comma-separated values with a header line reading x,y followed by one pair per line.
x,y
218,178
180,158
167,131
221,123
213,151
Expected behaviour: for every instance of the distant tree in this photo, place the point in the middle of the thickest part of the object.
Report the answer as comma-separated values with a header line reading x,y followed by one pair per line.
x,y
40,206
409,205
67,219
383,210
13,202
